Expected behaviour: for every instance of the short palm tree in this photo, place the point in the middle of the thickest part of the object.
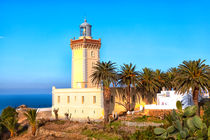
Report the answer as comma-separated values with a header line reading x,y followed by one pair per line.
x,y
128,77
31,117
147,84
192,75
104,75
10,123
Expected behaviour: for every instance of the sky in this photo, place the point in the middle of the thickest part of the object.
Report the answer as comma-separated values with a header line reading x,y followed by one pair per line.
x,y
35,37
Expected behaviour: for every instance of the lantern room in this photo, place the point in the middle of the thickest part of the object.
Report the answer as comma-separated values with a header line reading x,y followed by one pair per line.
x,y
85,30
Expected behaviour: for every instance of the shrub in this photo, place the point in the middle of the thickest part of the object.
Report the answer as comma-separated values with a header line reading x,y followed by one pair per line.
x,y
9,119
206,116
146,134
8,112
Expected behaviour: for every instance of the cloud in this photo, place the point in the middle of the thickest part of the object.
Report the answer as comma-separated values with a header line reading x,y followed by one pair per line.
x,y
1,37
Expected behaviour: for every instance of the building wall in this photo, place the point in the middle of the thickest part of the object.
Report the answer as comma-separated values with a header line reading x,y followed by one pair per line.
x,y
85,54
78,67
78,108
119,100
92,59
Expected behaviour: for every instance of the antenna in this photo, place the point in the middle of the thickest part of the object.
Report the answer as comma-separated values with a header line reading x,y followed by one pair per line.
x,y
85,17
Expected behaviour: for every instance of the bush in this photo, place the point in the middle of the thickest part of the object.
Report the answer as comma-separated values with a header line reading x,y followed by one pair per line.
x,y
9,119
8,112
144,134
206,116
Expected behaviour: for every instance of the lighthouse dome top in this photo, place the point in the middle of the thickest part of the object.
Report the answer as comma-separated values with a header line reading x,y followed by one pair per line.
x,y
84,24
85,30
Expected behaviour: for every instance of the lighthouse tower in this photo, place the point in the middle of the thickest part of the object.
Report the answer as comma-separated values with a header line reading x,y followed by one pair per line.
x,y
85,54
83,100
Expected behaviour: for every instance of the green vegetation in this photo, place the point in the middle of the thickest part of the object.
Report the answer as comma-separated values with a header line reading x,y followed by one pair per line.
x,y
192,75
59,122
186,125
146,134
100,135
105,74
31,117
8,112
1,128
206,116
148,119
148,84
128,76
9,119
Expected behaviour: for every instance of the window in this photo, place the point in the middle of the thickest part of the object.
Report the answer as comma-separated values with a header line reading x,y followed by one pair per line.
x,y
58,99
92,53
94,99
83,98
112,99
68,99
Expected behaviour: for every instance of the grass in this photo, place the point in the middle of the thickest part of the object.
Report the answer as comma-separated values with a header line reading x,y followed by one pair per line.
x,y
146,134
100,135
59,122
147,119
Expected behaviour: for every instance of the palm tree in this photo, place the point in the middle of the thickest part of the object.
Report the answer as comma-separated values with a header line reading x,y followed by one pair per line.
x,y
160,77
10,123
193,75
128,76
169,78
104,74
147,84
31,117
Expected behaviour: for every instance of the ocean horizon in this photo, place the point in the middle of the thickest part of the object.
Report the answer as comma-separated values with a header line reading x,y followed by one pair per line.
x,y
30,100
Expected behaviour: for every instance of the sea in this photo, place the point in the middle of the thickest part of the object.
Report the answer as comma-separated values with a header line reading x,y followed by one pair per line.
x,y
30,100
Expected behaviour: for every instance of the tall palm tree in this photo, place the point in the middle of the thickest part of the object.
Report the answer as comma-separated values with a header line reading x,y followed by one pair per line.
x,y
160,77
192,75
31,117
128,77
104,75
10,123
147,84
169,78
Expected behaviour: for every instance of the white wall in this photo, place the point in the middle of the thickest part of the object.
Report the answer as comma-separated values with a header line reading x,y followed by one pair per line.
x,y
75,107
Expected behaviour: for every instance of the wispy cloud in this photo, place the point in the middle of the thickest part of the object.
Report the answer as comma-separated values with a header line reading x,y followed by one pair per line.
x,y
1,37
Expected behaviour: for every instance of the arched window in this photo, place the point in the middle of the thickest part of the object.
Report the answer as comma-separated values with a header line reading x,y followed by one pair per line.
x,y
92,53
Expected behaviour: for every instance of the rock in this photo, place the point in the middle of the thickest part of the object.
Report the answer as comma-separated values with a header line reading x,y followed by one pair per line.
x,y
22,106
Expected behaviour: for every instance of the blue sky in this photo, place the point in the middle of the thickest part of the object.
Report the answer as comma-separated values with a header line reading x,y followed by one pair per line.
x,y
35,37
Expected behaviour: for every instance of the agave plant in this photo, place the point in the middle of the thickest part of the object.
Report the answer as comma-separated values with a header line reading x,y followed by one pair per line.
x,y
31,117
185,125
10,123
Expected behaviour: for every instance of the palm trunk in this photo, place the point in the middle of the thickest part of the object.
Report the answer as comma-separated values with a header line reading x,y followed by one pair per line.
x,y
11,133
128,98
33,129
195,99
107,95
